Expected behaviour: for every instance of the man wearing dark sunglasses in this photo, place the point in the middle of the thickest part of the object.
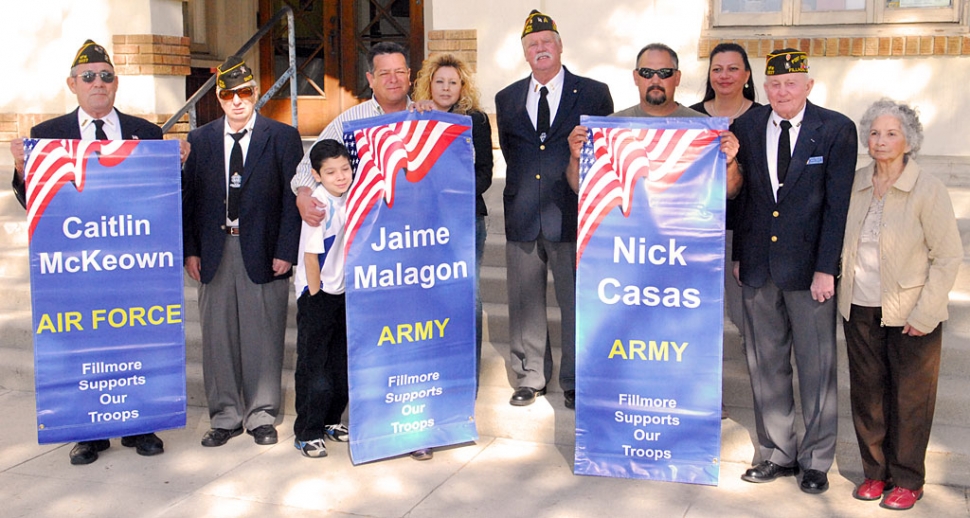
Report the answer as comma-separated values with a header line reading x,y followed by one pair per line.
x,y
93,81
241,232
657,79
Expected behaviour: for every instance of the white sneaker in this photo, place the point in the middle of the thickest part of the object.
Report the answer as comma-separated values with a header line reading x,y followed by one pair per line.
x,y
314,448
337,432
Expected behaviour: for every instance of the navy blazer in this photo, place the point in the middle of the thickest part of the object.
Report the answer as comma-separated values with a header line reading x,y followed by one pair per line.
x,y
537,196
66,127
269,223
800,234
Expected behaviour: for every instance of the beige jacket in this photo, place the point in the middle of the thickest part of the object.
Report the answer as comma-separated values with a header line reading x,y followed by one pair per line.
x,y
919,247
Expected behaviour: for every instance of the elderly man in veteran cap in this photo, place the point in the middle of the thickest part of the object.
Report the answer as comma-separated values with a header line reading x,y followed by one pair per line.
x,y
93,81
241,234
798,162
535,116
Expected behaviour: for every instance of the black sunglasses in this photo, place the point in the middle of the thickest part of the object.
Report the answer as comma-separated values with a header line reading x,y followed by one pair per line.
x,y
244,93
88,76
664,73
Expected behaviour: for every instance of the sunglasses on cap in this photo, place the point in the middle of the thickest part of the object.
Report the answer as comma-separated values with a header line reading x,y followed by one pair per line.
x,y
244,93
664,73
105,75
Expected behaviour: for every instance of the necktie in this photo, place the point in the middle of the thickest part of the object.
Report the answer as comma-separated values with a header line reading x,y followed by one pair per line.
x,y
784,152
235,175
542,116
99,133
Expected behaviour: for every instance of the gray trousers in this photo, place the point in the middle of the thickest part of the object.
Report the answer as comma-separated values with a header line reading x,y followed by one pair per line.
x,y
530,351
243,328
775,323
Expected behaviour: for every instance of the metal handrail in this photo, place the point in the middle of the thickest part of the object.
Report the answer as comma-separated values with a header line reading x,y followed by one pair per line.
x,y
288,75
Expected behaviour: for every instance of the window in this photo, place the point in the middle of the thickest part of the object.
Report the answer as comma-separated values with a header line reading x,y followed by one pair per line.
x,y
833,12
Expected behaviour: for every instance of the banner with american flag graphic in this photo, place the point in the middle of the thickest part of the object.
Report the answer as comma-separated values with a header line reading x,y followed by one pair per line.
x,y
410,283
106,287
649,301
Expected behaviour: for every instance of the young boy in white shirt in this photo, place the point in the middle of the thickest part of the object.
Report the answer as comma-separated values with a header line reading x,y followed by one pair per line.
x,y
321,363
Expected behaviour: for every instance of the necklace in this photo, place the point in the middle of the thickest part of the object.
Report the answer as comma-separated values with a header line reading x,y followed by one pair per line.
x,y
719,113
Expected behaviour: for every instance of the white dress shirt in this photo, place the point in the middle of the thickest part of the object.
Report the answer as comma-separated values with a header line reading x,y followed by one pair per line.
x,y
112,125
772,133
555,94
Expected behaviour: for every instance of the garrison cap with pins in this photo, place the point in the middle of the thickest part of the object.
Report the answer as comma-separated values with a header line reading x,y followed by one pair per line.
x,y
786,61
537,22
232,73
91,52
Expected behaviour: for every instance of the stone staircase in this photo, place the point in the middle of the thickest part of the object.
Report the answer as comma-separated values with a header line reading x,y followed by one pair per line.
x,y
547,421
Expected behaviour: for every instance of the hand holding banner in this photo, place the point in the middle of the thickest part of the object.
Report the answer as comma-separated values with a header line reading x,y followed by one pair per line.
x,y
410,282
649,299
106,287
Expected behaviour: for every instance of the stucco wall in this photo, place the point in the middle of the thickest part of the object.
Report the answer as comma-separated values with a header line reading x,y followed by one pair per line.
x,y
42,37
601,40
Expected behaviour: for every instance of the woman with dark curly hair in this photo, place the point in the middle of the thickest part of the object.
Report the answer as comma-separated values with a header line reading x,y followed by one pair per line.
x,y
900,258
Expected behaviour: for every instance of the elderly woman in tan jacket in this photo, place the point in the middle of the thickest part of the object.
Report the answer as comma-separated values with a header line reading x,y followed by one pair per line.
x,y
899,260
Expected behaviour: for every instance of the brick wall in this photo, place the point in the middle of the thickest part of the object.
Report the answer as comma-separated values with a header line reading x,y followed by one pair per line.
x,y
463,44
849,46
151,54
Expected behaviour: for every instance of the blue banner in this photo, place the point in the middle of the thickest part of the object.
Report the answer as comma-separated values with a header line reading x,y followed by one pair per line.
x,y
106,287
410,277
649,302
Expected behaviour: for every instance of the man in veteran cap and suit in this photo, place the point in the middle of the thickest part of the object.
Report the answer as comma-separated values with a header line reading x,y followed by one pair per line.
x,y
535,116
241,233
798,162
93,81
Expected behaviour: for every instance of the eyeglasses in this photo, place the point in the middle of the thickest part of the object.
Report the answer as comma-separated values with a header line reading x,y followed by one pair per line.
x,y
105,75
664,73
244,93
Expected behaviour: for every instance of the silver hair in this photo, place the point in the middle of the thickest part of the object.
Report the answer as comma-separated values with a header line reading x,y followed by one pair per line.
x,y
907,116
555,35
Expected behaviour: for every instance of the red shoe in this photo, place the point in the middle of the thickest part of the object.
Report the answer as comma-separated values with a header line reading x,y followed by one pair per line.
x,y
901,499
870,490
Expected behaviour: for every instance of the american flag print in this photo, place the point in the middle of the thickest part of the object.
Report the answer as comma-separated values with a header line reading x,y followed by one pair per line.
x,y
52,164
615,158
379,152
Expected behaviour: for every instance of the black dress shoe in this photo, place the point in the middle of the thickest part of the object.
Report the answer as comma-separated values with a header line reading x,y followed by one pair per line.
x,y
526,396
570,398
264,435
768,471
219,436
86,452
814,481
146,444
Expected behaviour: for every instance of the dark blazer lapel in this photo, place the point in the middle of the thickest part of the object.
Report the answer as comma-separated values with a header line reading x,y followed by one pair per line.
x,y
759,152
567,101
216,139
520,116
126,132
808,136
73,129
257,144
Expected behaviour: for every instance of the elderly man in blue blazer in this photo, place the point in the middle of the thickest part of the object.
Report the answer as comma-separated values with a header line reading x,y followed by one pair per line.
x,y
93,81
535,116
798,162
241,234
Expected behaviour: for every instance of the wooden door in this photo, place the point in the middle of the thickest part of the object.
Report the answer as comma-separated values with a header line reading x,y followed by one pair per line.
x,y
332,39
